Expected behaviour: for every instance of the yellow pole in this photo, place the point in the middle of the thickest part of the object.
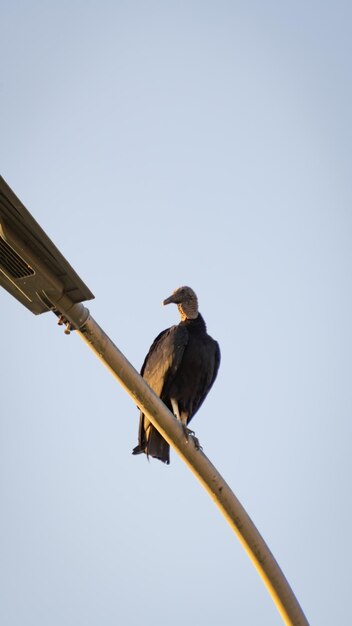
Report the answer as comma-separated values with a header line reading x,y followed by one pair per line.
x,y
201,467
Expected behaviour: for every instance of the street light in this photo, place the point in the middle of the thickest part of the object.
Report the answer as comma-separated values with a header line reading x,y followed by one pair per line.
x,y
34,271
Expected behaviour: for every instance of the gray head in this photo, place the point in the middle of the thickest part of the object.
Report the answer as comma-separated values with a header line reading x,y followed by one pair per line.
x,y
187,302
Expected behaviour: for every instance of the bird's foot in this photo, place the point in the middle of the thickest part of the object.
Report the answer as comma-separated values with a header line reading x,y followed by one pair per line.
x,y
196,442
190,433
186,431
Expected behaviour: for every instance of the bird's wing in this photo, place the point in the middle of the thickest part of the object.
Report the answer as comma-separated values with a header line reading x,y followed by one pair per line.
x,y
216,362
206,377
164,357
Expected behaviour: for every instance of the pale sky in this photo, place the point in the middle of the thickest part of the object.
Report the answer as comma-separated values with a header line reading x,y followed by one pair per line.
x,y
161,144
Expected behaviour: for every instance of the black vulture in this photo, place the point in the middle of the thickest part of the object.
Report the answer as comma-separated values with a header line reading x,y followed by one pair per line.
x,y
180,367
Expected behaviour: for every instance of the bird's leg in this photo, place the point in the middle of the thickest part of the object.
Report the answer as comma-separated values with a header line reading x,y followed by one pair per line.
x,y
188,432
183,418
175,410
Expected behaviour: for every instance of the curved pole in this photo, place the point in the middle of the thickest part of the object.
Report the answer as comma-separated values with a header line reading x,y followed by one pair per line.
x,y
199,464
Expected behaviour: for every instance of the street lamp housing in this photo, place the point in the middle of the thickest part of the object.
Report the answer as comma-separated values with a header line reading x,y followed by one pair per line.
x,y
32,269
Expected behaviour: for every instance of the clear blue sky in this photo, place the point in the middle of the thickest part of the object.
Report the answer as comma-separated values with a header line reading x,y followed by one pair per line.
x,y
160,144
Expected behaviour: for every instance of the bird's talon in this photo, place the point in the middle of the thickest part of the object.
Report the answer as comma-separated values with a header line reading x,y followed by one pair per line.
x,y
190,433
196,443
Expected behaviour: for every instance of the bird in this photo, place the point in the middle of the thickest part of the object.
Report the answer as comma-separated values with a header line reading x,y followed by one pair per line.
x,y
180,367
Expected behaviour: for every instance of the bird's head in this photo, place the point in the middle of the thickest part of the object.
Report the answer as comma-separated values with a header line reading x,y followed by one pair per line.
x,y
187,302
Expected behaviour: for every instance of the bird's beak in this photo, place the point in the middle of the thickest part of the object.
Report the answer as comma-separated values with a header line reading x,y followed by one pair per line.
x,y
169,300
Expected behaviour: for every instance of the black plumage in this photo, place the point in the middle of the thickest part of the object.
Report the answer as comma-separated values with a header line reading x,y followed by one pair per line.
x,y
180,367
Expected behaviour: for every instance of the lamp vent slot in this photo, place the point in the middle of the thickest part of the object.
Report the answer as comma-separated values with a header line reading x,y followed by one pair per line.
x,y
12,262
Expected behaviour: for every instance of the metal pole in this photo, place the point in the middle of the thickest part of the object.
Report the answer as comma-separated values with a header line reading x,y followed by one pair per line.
x,y
196,460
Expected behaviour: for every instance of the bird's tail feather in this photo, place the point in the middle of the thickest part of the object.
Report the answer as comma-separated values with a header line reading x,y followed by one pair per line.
x,y
155,446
